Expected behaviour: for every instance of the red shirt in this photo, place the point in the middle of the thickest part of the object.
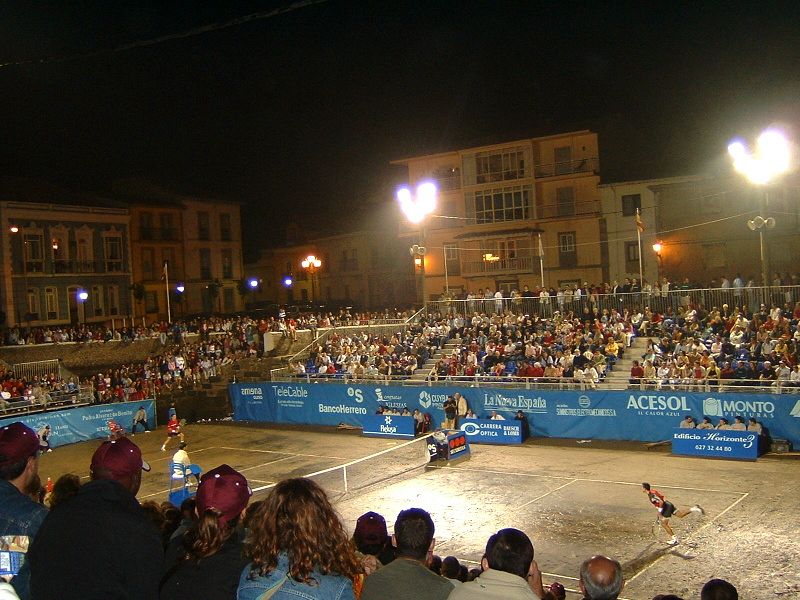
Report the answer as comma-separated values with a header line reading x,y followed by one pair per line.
x,y
656,498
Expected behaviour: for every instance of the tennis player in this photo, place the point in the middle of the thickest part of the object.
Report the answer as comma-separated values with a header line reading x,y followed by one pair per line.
x,y
173,430
667,509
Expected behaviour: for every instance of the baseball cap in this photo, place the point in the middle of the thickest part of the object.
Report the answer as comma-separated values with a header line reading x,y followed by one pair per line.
x,y
370,529
121,457
223,489
17,441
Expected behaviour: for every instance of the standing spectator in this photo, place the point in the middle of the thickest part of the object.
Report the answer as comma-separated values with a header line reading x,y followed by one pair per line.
x,y
601,578
207,560
450,409
19,515
462,407
120,555
509,571
298,547
408,577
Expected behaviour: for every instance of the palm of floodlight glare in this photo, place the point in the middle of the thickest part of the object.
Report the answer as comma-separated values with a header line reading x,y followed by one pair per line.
x,y
419,206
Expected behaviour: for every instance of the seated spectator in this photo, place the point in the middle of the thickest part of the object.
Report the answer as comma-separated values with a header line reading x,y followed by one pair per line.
x,y
637,373
125,559
705,424
298,547
738,424
372,540
718,589
19,514
601,578
509,571
451,570
687,423
65,487
407,577
723,424
753,425
207,560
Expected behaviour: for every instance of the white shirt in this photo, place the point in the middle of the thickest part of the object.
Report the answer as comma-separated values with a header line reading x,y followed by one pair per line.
x,y
182,457
497,417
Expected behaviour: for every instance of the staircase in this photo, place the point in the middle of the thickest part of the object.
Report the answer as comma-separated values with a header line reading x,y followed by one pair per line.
x,y
618,378
421,374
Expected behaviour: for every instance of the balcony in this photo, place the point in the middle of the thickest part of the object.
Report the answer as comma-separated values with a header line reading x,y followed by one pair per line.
x,y
571,167
448,183
568,208
517,264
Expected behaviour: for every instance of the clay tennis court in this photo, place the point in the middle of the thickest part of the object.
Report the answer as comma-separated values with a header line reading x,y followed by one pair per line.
x,y
573,499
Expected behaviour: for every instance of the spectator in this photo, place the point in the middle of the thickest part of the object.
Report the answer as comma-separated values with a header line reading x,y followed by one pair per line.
x,y
140,418
523,423
601,578
687,423
19,515
120,550
298,547
407,577
207,560
753,425
372,539
181,457
65,488
706,424
718,589
509,571
451,570
738,424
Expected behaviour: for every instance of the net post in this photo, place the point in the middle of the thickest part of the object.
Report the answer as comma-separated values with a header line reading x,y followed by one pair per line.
x,y
344,469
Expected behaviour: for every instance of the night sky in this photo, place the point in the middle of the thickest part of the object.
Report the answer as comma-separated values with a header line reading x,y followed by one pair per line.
x,y
298,114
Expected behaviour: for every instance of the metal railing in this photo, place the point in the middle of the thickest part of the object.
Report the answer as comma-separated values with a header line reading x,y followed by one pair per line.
x,y
569,167
47,401
38,369
657,301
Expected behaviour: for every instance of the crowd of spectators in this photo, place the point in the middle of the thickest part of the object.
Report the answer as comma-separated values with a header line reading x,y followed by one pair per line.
x,y
219,545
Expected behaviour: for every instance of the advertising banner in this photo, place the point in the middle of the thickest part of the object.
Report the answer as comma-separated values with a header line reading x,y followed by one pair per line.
x,y
487,431
742,445
85,423
445,446
644,415
391,426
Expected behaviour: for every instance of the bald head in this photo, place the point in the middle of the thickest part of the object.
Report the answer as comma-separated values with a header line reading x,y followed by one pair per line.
x,y
601,578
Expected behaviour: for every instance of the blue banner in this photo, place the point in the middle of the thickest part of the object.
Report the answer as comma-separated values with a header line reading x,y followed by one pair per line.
x,y
86,422
724,443
488,431
392,426
609,415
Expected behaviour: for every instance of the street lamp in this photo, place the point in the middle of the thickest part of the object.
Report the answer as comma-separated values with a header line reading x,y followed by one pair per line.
x,y
311,264
657,247
771,159
416,208
83,296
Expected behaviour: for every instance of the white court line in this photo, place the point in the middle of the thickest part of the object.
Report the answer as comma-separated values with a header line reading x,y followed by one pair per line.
x,y
516,473
692,534
277,452
546,494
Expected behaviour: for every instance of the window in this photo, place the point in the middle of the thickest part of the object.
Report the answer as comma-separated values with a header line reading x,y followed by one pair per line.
x,y
58,244
632,251
33,305
203,226
151,302
225,227
84,255
205,263
563,160
167,226
98,301
227,263
494,206
567,254
227,298
499,167
630,204
148,263
146,226
565,201
113,300
34,252
113,250
51,302
452,259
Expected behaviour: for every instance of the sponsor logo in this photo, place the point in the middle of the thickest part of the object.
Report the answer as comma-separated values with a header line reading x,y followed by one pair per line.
x,y
584,409
385,397
458,444
357,394
289,391
470,428
496,400
796,410
494,429
655,404
426,399
718,407
746,440
379,394
251,391
341,409
387,420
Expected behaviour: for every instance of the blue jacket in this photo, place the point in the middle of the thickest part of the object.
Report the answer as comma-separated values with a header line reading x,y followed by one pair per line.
x,y
329,587
19,515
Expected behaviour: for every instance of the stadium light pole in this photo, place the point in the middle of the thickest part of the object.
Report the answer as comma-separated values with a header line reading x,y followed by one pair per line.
x,y
311,264
771,159
416,208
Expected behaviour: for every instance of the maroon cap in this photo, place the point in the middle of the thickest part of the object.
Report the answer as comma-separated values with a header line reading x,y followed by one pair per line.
x,y
17,441
121,457
370,529
225,490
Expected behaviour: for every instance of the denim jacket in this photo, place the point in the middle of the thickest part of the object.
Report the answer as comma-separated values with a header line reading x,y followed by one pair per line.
x,y
329,587
19,515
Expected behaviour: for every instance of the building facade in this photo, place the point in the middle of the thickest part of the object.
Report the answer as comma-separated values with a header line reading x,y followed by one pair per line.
x,y
64,264
200,242
519,213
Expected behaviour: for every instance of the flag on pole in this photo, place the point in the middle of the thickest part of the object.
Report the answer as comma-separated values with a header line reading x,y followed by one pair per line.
x,y
639,222
164,271
541,248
